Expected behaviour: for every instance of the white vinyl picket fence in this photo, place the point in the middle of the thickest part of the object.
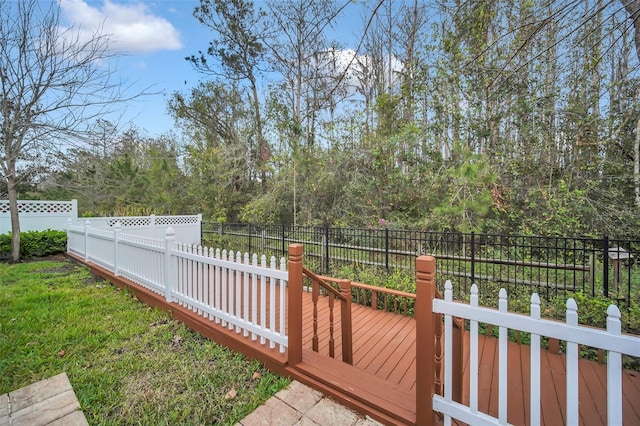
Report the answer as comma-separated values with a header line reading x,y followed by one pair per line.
x,y
610,340
232,289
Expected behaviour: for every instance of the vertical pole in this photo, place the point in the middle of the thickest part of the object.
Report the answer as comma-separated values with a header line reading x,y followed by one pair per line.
x,y
326,249
345,317
425,325
294,314
283,242
169,245
386,249
74,210
116,238
605,266
473,257
86,239
250,226
152,220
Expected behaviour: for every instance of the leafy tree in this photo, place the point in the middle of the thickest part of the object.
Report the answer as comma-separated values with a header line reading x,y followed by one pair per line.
x,y
240,51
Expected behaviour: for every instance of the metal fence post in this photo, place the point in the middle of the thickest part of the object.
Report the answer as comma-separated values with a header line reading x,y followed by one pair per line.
x,y
605,266
250,238
386,249
473,257
326,249
283,242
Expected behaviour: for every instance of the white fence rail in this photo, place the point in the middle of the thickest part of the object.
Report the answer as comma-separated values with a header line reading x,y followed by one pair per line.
x,y
610,340
231,289
36,215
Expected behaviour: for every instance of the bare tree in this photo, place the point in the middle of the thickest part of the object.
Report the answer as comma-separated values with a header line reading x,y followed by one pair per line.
x,y
53,85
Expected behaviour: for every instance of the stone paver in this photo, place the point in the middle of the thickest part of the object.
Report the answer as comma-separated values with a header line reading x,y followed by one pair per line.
x,y
299,396
299,405
329,413
273,412
47,402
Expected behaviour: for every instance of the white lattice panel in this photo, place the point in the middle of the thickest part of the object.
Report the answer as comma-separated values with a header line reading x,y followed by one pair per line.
x,y
176,220
39,207
130,222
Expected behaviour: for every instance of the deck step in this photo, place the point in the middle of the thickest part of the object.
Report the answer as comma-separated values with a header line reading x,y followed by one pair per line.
x,y
359,389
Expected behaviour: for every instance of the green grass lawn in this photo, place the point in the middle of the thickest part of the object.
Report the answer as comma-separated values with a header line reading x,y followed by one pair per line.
x,y
127,363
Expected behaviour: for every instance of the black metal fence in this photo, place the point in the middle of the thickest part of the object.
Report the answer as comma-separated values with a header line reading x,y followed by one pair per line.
x,y
549,266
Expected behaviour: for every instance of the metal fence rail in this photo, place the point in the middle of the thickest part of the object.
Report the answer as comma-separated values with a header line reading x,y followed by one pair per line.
x,y
549,266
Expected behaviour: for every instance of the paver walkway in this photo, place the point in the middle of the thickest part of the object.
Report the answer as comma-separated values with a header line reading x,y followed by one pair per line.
x,y
47,402
302,406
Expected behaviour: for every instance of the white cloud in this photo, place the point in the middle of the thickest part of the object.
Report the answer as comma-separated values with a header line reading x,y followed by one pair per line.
x,y
132,27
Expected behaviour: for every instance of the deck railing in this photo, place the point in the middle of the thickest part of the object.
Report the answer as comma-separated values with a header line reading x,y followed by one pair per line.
x,y
229,288
343,295
611,340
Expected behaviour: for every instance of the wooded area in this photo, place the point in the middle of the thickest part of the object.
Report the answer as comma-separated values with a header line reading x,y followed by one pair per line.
x,y
514,116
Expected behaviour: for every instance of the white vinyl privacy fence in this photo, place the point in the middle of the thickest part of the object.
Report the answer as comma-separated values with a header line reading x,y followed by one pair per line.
x,y
241,292
36,215
611,340
188,227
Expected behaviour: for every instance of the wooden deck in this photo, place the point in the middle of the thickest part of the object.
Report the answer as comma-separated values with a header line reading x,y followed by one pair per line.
x,y
382,381
384,345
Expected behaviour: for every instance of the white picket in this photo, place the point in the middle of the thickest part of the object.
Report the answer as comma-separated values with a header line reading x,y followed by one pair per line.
x,y
272,302
263,298
254,295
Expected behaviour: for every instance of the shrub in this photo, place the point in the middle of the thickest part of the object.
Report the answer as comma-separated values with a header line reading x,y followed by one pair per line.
x,y
36,243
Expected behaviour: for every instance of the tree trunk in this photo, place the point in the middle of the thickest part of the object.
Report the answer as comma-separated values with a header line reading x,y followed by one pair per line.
x,y
13,208
636,164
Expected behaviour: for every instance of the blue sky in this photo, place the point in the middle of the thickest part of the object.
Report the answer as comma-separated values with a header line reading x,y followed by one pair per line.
x,y
154,37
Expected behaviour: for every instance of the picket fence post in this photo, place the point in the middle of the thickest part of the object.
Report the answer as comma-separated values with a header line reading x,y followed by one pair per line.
x,y
86,239
169,245
425,338
116,237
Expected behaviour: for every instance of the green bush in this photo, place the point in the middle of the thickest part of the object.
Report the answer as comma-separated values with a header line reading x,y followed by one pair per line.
x,y
36,243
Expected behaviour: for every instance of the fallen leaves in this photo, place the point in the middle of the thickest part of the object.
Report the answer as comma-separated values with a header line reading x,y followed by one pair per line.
x,y
176,342
231,394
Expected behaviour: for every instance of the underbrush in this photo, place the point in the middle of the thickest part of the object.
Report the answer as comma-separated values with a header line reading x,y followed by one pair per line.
x,y
35,243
